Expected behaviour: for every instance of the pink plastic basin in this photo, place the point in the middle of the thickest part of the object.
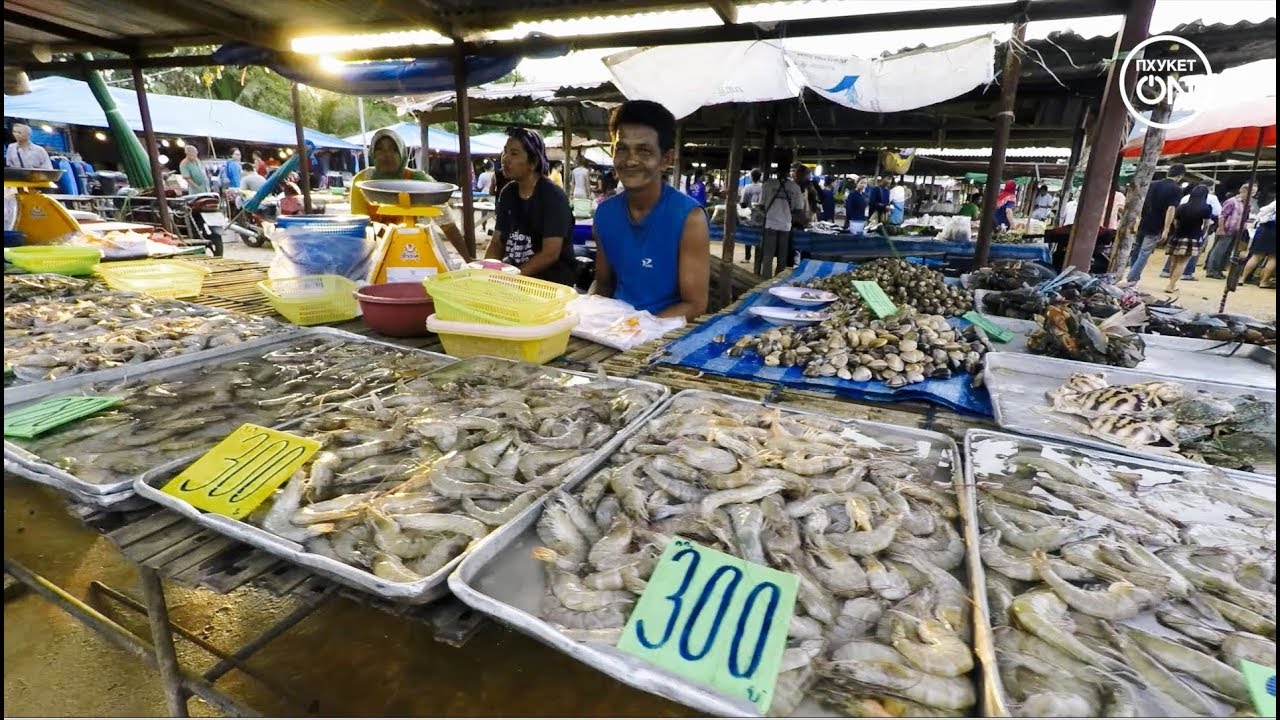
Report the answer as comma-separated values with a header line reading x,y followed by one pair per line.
x,y
396,309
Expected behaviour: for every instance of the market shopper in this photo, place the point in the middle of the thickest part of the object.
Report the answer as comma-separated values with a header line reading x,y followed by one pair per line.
x,y
1263,249
971,208
1042,205
878,200
1006,200
783,203
751,196
1216,208
581,178
828,199
1191,223
231,173
1230,222
534,226
698,189
25,154
655,247
193,172
855,208
391,162
1157,219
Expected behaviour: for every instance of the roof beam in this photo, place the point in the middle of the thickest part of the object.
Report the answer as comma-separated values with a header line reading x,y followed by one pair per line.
x,y
808,27
229,27
726,9
70,33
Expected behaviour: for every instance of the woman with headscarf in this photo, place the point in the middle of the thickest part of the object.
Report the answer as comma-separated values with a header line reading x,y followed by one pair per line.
x,y
1190,223
391,162
534,228
1005,202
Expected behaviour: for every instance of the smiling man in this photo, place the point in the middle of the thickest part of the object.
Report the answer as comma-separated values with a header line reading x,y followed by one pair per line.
x,y
655,250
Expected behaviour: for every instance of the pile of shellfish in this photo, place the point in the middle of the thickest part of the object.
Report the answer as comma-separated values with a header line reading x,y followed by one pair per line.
x,y
904,282
903,348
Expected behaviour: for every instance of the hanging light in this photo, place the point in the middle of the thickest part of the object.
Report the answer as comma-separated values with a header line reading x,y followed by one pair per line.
x,y
164,143
283,154
180,142
164,159
100,135
47,128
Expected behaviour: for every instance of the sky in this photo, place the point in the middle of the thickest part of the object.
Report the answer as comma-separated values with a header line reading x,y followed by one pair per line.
x,y
587,66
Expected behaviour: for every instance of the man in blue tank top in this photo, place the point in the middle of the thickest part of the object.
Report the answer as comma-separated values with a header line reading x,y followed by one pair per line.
x,y
655,249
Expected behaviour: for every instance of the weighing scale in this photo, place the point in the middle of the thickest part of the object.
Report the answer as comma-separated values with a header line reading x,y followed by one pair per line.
x,y
408,251
41,219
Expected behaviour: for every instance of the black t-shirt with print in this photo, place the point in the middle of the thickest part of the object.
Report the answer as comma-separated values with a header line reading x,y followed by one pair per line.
x,y
523,224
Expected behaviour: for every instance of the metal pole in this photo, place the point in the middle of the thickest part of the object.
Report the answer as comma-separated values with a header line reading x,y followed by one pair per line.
x,y
731,204
304,158
424,139
1108,136
119,636
464,148
1004,122
677,158
1233,274
153,150
566,143
364,139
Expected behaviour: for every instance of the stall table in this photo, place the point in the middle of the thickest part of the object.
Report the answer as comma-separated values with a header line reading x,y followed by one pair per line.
x,y
838,244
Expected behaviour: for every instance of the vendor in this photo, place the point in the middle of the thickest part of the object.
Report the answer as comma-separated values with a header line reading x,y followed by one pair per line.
x,y
534,228
655,247
390,162
1005,203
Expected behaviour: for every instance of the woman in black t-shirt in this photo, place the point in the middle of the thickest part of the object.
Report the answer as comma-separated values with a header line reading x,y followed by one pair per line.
x,y
1190,223
534,229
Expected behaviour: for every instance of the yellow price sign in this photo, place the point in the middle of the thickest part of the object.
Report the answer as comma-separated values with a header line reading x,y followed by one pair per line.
x,y
243,470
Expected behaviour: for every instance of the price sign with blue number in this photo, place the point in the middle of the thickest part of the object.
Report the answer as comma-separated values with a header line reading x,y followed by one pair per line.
x,y
714,618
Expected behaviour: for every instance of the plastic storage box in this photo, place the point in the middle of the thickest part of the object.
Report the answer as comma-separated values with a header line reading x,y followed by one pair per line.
x,y
530,343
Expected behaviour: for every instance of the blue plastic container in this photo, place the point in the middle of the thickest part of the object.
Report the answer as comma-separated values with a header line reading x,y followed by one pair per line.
x,y
322,245
14,238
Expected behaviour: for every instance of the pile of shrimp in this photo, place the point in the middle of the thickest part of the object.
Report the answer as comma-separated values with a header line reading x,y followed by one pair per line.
x,y
881,625
1120,590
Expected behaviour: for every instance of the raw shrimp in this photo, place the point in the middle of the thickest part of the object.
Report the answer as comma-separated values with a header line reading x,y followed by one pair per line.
x,y
868,542
946,693
1121,601
940,650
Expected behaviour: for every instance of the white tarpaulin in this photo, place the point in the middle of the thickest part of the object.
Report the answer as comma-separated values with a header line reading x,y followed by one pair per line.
x,y
686,77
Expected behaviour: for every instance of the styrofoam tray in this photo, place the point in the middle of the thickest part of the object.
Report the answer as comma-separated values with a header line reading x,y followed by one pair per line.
x,y
1018,385
419,592
40,470
504,581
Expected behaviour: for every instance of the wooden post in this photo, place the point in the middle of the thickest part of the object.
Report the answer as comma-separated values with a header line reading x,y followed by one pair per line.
x,y
1152,143
304,157
464,148
567,173
1004,122
153,151
676,161
1108,136
424,138
1077,146
731,204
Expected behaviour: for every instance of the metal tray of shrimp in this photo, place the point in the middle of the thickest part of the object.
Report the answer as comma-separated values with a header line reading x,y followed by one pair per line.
x,y
111,492
503,580
989,449
433,586
1018,385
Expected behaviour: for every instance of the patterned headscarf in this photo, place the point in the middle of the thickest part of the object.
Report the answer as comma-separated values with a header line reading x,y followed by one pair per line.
x,y
533,147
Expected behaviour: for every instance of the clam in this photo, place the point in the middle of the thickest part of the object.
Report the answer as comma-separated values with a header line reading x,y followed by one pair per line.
x,y
915,377
907,345
772,359
894,362
861,374
912,356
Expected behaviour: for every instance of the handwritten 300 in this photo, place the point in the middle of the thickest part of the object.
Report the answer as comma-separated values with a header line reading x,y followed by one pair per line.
x,y
686,642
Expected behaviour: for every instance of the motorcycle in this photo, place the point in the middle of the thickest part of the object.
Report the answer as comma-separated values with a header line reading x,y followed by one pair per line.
x,y
205,220
254,226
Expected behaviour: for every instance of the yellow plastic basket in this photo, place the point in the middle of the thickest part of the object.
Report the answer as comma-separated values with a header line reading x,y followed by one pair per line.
x,y
312,299
60,259
536,344
495,298
157,278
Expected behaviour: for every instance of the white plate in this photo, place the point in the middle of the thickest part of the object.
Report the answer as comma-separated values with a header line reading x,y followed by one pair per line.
x,y
788,316
802,296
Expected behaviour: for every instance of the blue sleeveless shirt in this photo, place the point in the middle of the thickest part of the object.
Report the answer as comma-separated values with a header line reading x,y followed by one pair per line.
x,y
644,255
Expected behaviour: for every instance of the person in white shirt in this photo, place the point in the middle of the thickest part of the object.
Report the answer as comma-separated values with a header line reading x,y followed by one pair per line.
x,y
484,183
1043,204
1069,211
25,154
581,180
781,198
250,179
1262,251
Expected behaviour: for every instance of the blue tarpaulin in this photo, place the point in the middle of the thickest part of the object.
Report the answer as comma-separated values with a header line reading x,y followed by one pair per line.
x,y
700,351
67,101
439,140
899,246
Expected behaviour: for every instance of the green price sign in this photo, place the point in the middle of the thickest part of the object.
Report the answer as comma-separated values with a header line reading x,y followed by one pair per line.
x,y
45,416
875,298
1261,681
993,330
714,618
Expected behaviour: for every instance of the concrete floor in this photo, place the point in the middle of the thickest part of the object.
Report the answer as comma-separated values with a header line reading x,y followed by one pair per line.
x,y
345,660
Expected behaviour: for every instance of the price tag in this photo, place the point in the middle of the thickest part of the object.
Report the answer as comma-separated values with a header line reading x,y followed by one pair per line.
x,y
241,471
714,618
875,298
45,416
1261,681
996,332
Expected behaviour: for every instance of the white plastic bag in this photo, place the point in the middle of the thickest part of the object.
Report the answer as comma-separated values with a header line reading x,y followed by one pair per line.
x,y
958,229
616,324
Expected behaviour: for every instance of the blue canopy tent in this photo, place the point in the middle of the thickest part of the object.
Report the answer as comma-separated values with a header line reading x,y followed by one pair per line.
x,y
71,102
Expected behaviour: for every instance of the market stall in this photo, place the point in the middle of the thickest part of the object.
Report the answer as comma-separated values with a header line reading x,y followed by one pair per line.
x,y
815,243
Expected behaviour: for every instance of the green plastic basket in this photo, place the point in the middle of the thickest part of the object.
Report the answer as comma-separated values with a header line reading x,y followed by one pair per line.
x,y
59,259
